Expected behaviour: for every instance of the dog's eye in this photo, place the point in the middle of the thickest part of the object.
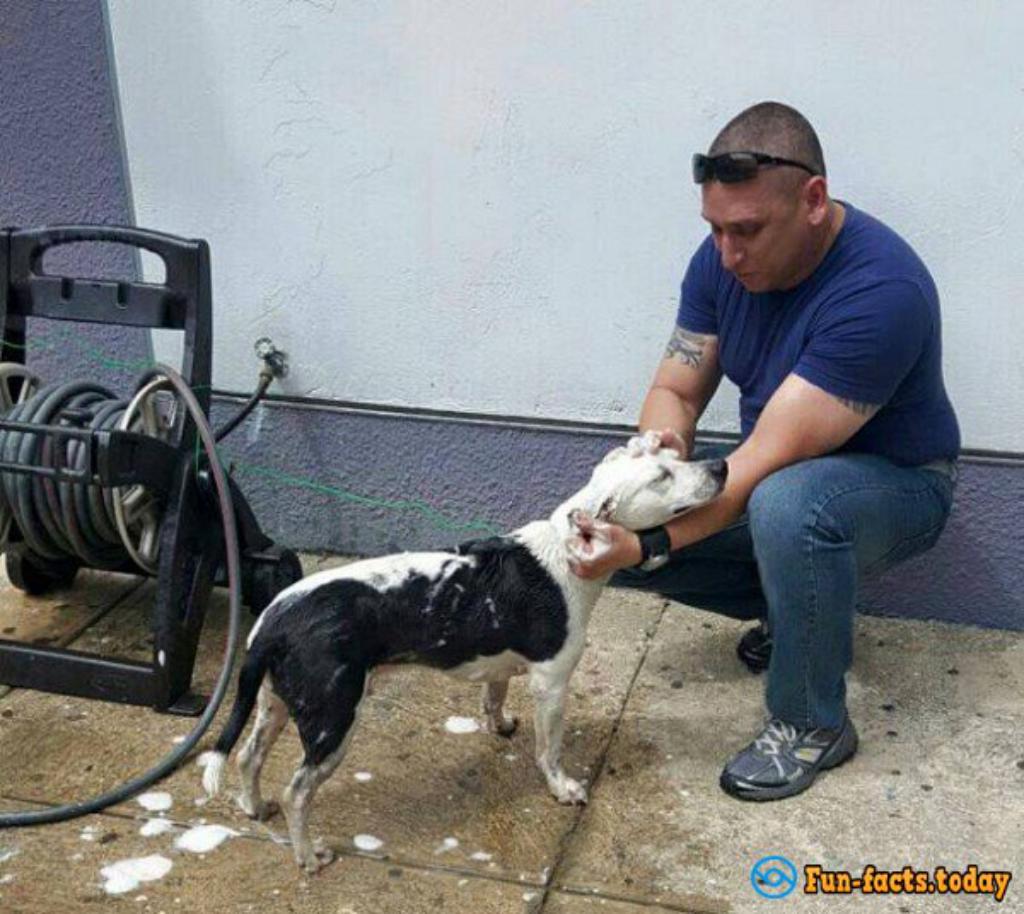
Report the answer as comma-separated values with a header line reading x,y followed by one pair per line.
x,y
664,475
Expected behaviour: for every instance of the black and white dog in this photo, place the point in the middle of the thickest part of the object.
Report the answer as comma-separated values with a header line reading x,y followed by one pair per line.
x,y
492,609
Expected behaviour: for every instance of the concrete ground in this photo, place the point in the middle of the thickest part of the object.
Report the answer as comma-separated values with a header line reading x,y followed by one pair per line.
x,y
463,820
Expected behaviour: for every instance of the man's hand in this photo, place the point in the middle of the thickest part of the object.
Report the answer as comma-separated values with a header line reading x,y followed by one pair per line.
x,y
599,549
653,440
670,438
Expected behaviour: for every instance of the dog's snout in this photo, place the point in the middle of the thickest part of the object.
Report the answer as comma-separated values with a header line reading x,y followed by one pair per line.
x,y
719,470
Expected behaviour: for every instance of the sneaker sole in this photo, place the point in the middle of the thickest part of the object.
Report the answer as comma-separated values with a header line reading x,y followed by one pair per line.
x,y
754,665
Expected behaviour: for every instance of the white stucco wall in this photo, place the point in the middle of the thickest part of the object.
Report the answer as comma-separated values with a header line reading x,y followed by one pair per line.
x,y
485,206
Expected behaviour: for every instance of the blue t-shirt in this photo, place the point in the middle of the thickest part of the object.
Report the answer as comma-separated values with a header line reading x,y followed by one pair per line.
x,y
863,326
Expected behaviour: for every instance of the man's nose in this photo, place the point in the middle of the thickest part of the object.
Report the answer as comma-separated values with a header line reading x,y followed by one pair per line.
x,y
731,253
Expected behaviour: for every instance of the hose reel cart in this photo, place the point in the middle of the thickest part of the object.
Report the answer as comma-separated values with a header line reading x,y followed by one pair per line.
x,y
88,479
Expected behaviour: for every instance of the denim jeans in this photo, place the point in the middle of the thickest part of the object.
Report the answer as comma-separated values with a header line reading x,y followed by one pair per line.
x,y
811,532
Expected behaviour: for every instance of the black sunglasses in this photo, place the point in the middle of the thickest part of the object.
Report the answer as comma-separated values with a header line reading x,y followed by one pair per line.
x,y
733,167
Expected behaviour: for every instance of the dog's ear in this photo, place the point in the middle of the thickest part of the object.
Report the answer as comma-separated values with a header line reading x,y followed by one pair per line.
x,y
580,520
577,543
615,454
588,537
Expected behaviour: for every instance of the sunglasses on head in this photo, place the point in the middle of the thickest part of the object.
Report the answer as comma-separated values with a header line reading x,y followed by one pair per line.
x,y
733,167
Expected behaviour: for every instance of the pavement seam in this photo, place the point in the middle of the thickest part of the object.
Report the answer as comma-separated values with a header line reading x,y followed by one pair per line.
x,y
569,836
270,839
630,899
392,862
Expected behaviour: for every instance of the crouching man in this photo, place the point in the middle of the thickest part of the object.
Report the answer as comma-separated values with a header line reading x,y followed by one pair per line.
x,y
828,323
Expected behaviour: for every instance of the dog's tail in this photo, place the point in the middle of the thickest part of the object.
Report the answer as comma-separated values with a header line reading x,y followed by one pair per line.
x,y
254,667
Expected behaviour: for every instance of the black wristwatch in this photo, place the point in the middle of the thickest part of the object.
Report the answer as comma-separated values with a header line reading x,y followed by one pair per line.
x,y
655,547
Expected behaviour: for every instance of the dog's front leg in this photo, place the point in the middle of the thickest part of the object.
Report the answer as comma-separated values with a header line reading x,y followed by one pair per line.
x,y
495,718
549,697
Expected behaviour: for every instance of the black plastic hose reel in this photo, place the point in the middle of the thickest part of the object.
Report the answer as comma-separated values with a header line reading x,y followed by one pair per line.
x,y
76,464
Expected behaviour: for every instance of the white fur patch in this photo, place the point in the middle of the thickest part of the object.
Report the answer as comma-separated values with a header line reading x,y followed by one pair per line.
x,y
212,764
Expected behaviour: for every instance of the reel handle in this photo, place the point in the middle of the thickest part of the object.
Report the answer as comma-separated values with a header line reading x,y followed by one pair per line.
x,y
168,305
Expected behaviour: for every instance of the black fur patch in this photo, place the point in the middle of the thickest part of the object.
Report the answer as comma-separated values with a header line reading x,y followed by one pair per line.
x,y
320,644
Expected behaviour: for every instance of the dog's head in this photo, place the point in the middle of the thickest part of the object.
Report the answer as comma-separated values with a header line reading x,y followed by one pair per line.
x,y
642,485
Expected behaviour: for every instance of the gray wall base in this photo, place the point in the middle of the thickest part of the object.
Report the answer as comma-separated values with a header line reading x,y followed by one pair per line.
x,y
289,457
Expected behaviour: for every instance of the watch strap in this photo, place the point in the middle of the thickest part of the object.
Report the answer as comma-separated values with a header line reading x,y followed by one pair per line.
x,y
654,543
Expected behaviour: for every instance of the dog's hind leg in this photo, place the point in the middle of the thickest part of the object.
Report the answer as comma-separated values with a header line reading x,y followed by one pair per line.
x,y
296,801
325,726
271,716
493,701
548,690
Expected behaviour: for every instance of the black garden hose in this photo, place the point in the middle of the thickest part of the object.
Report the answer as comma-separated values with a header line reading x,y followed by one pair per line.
x,y
173,759
59,520
266,379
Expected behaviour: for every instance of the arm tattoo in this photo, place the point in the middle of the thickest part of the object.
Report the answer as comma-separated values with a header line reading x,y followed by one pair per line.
x,y
687,346
862,409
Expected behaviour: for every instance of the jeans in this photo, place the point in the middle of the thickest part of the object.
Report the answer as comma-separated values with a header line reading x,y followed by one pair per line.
x,y
811,531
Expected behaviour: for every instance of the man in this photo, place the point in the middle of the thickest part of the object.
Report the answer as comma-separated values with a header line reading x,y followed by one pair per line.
x,y
828,323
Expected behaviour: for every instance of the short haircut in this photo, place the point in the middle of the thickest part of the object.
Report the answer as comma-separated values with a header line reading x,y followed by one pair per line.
x,y
774,129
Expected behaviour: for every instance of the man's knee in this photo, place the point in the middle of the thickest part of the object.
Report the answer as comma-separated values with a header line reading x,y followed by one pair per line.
x,y
791,504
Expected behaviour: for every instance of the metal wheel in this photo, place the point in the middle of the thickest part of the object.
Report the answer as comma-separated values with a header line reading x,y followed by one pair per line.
x,y
152,411
17,384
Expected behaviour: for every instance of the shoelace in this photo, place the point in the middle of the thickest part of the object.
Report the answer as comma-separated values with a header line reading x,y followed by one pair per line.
x,y
776,734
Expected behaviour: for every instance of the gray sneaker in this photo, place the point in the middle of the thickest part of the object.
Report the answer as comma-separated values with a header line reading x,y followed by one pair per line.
x,y
784,760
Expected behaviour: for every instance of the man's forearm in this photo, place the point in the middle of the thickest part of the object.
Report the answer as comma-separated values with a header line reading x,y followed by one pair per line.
x,y
707,520
745,472
663,408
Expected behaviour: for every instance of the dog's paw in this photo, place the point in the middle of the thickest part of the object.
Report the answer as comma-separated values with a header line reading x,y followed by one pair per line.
x,y
267,809
261,811
571,793
506,726
323,853
319,857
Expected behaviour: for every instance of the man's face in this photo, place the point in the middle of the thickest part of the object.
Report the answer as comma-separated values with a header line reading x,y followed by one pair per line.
x,y
763,229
